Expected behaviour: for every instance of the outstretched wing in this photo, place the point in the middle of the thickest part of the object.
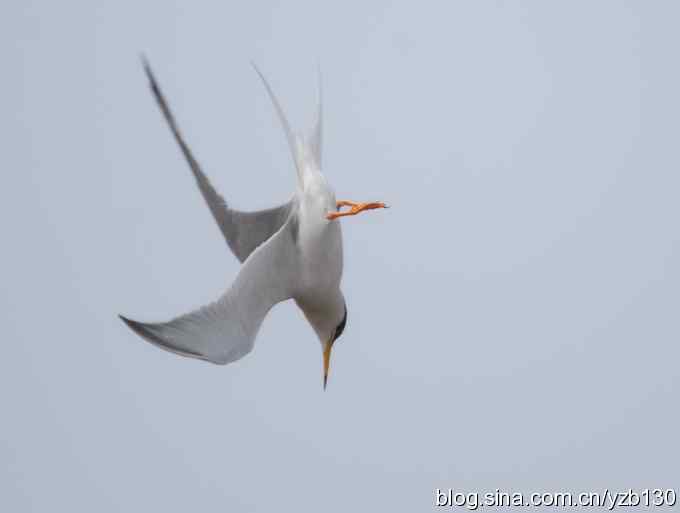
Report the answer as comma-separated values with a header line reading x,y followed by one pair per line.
x,y
225,331
243,231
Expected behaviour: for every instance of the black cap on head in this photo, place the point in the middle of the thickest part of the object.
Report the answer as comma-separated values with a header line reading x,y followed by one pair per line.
x,y
340,327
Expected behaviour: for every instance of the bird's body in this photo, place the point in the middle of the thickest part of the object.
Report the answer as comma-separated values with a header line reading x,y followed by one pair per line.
x,y
293,251
320,244
320,241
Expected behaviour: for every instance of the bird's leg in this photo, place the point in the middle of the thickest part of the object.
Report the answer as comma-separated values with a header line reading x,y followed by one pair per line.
x,y
355,208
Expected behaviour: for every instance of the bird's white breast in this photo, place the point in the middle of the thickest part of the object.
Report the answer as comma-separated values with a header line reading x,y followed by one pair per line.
x,y
320,240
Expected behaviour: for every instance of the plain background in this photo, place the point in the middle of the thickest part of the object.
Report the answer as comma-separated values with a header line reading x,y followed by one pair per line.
x,y
513,319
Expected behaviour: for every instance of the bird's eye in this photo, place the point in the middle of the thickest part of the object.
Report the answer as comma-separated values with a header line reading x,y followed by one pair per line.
x,y
340,327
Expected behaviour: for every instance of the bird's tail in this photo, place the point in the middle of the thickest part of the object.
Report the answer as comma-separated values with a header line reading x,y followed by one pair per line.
x,y
305,150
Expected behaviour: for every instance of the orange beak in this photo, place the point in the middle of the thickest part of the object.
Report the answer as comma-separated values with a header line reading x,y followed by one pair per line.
x,y
326,362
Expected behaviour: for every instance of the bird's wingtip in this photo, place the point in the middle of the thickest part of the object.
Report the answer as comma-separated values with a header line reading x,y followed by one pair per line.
x,y
135,326
147,67
143,331
256,68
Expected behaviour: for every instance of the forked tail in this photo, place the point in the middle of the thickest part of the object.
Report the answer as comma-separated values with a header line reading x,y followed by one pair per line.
x,y
305,149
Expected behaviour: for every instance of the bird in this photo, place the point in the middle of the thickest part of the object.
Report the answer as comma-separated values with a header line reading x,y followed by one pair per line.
x,y
291,251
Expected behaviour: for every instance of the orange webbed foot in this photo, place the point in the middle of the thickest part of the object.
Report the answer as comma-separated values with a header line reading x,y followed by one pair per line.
x,y
355,208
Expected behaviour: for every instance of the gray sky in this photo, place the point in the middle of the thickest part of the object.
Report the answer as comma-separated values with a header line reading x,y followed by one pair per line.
x,y
512,319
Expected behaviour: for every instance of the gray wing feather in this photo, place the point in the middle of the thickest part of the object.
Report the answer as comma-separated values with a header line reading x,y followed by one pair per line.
x,y
243,231
225,331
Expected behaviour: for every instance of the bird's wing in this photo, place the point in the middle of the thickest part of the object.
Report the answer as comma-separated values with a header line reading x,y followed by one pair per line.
x,y
225,330
243,231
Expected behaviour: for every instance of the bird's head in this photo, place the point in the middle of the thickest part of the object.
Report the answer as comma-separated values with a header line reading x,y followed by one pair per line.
x,y
328,318
328,344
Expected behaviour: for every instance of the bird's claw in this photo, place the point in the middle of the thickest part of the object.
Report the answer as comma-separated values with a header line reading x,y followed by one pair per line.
x,y
355,208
